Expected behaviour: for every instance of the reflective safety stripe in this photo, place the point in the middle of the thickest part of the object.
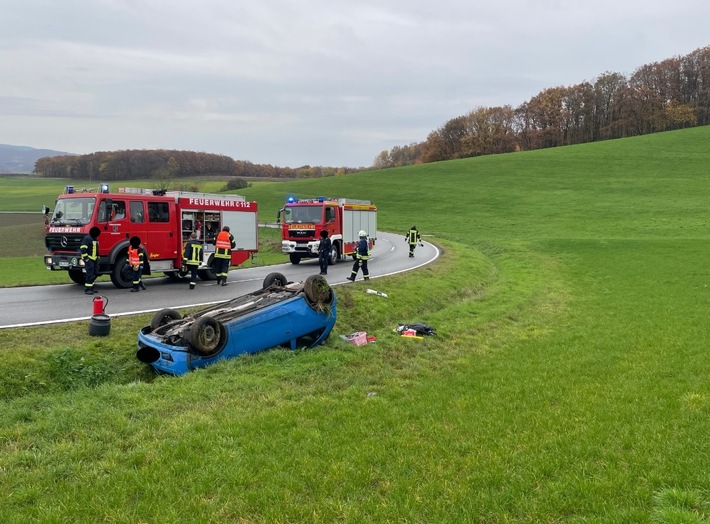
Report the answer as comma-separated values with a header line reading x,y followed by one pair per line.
x,y
195,249
134,258
223,241
90,250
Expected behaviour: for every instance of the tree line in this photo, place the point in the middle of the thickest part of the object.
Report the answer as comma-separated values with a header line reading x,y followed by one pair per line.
x,y
107,166
662,96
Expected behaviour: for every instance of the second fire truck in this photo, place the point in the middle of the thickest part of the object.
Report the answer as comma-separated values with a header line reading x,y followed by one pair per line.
x,y
303,220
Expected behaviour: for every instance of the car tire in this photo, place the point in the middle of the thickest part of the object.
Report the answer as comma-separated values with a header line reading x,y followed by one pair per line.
x,y
295,259
274,278
164,316
207,336
317,290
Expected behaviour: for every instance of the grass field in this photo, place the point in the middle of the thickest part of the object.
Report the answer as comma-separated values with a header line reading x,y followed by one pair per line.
x,y
568,381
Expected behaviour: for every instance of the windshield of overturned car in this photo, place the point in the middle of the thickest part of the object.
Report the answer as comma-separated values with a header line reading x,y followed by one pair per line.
x,y
303,215
73,211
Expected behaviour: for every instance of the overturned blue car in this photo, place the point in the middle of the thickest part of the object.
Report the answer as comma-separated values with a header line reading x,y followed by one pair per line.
x,y
285,314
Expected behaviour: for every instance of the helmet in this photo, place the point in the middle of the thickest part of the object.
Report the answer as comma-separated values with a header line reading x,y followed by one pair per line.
x,y
362,233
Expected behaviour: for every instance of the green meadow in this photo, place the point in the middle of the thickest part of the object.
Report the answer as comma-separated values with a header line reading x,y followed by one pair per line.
x,y
568,380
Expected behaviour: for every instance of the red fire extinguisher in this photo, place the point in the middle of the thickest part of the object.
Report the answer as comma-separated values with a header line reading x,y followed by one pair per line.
x,y
100,304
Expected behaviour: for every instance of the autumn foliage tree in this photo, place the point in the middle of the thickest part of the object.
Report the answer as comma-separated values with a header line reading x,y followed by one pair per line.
x,y
166,166
662,96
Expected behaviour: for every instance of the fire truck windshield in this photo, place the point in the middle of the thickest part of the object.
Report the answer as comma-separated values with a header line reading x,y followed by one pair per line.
x,y
73,211
303,214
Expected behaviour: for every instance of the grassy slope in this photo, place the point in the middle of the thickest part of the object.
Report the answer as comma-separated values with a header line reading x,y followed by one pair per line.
x,y
568,382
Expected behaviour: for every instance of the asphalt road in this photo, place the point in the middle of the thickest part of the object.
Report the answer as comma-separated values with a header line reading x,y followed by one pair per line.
x,y
37,305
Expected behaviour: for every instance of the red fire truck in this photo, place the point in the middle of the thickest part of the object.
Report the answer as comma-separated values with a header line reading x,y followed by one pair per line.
x,y
343,218
164,221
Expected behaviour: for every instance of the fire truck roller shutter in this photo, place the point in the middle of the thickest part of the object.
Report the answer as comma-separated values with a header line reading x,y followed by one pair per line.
x,y
244,227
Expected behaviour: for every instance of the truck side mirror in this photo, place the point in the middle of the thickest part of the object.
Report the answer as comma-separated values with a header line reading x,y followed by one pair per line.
x,y
278,216
108,205
45,210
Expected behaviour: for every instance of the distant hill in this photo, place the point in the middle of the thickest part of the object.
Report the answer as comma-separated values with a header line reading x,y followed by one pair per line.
x,y
21,159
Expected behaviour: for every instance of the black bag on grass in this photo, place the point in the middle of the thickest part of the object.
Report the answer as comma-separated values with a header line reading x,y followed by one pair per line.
x,y
421,329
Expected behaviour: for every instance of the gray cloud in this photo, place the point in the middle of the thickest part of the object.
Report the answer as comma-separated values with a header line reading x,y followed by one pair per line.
x,y
292,83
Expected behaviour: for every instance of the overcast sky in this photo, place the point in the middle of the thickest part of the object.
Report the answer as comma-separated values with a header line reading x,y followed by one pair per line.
x,y
296,82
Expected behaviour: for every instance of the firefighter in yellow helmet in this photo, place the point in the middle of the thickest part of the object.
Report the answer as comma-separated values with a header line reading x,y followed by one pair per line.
x,y
362,254
224,243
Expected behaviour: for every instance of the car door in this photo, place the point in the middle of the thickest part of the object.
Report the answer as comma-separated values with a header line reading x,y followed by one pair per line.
x,y
161,229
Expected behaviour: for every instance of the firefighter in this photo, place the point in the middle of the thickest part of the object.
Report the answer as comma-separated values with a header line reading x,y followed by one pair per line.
x,y
192,258
224,243
324,248
136,260
362,254
90,256
413,238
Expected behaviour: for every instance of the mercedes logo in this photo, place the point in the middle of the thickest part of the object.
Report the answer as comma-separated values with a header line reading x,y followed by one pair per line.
x,y
64,241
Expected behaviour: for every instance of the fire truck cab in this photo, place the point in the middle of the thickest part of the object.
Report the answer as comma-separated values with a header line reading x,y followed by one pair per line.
x,y
163,220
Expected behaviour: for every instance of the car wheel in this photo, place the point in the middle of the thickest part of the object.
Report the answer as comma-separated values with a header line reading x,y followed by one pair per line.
x,y
206,336
164,316
274,278
295,259
317,290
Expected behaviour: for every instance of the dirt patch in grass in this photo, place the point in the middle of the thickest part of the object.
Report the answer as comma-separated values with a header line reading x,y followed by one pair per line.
x,y
19,219
21,234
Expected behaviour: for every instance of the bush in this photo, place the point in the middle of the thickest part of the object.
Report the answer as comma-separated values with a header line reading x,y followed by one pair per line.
x,y
235,183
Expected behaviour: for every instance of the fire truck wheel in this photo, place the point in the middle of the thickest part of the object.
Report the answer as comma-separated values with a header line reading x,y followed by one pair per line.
x,y
334,254
118,276
208,274
207,336
164,316
295,259
274,278
77,276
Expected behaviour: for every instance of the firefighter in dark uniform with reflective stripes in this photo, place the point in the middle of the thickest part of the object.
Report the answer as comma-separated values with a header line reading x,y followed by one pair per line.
x,y
362,254
413,238
90,256
192,258
224,243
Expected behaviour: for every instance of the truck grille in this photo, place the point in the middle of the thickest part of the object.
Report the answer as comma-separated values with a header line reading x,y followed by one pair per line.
x,y
60,242
302,233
